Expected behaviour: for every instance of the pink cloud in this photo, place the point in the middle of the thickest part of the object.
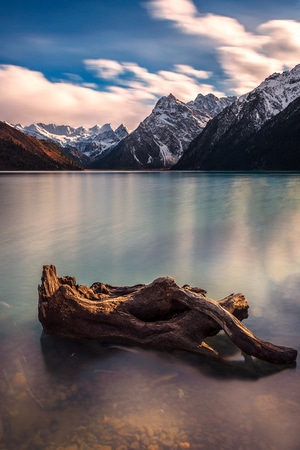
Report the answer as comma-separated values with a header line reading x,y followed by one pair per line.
x,y
26,96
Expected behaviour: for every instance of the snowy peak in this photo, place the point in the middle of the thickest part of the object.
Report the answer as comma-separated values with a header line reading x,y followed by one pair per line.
x,y
202,109
90,141
277,91
171,127
169,108
167,103
106,128
222,144
209,105
268,99
161,139
22,152
121,132
59,130
287,78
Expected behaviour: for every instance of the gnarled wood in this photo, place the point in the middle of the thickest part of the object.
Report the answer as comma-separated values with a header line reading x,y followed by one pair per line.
x,y
160,314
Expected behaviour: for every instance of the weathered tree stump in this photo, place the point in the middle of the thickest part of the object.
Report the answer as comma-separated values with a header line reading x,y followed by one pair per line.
x,y
160,314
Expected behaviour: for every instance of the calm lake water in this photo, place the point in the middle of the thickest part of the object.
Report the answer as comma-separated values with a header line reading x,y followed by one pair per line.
x,y
222,232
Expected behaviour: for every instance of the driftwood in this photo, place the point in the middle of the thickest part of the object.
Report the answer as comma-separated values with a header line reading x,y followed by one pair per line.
x,y
160,314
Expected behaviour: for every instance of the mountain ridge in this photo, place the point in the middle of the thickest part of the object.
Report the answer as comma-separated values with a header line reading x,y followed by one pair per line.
x,y
162,137
18,151
223,143
80,142
208,133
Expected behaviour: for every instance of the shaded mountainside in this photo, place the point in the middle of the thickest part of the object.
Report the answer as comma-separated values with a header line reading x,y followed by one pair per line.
x,y
19,151
162,138
277,145
251,133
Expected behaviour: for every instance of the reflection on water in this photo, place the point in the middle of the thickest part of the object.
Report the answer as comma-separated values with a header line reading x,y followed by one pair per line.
x,y
219,231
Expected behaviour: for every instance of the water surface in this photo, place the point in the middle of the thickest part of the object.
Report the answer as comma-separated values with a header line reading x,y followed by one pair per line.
x,y
222,232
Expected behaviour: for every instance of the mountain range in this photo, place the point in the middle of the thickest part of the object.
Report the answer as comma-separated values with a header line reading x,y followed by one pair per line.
x,y
254,133
19,151
257,131
82,144
163,137
276,146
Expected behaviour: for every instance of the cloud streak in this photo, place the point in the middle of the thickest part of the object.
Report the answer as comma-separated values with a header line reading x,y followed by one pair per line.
x,y
26,96
246,57
184,81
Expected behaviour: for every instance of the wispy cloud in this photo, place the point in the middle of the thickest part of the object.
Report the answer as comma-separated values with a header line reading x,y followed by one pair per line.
x,y
183,81
188,19
246,57
105,68
189,70
26,96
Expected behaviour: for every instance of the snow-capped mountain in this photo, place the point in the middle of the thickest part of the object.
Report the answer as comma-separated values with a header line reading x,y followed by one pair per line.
x,y
89,141
222,144
18,151
208,106
276,146
162,138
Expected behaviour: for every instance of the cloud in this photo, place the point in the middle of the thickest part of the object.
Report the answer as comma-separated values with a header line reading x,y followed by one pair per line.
x,y
246,68
246,57
183,81
189,70
105,68
187,18
283,41
180,11
26,96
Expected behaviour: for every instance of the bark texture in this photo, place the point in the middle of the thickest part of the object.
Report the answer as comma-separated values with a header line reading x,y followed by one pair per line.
x,y
160,314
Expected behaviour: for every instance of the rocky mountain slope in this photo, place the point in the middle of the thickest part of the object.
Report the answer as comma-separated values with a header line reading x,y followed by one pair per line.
x,y
18,151
226,141
83,144
162,138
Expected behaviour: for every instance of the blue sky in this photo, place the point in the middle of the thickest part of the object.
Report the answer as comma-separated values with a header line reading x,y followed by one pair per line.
x,y
97,61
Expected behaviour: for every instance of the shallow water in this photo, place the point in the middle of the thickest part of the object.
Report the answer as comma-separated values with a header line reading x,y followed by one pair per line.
x,y
223,232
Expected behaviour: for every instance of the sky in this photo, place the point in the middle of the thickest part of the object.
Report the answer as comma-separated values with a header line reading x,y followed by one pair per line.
x,y
88,62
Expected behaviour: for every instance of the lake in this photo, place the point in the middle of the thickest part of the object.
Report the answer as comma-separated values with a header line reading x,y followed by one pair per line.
x,y
224,232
